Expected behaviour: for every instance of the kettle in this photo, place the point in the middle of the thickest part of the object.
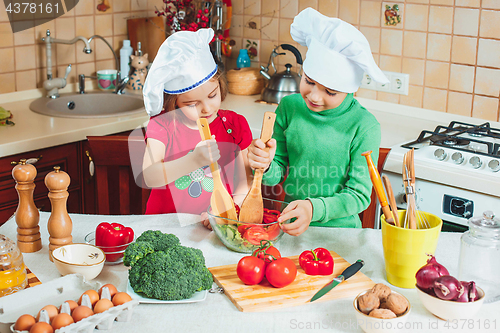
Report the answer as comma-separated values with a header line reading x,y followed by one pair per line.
x,y
283,83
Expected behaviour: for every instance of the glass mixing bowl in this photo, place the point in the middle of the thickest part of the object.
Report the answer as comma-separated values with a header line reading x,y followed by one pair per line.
x,y
246,237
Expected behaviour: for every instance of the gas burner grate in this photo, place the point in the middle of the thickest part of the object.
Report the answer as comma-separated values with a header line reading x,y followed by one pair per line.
x,y
450,136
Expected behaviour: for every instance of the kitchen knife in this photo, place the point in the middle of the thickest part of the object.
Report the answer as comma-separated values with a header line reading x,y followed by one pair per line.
x,y
347,273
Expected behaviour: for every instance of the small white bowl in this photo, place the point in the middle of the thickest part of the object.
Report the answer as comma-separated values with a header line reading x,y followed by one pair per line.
x,y
448,310
376,325
85,259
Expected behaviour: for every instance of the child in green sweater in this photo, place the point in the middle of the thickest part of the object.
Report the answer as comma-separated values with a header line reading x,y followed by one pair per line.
x,y
319,134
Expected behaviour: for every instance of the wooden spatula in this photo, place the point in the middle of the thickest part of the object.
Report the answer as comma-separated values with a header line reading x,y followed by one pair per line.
x,y
392,199
252,208
221,201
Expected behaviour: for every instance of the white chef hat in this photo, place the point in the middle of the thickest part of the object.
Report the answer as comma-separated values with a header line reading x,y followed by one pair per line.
x,y
338,54
183,62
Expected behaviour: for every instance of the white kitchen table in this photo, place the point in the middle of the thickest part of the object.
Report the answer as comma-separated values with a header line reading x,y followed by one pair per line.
x,y
218,314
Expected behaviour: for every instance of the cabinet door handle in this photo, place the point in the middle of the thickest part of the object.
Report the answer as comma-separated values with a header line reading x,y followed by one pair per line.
x,y
32,160
91,164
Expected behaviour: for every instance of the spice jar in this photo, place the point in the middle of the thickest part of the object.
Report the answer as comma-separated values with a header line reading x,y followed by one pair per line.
x,y
13,275
480,255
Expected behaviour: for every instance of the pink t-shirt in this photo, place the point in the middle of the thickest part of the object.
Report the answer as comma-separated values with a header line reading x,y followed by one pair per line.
x,y
191,192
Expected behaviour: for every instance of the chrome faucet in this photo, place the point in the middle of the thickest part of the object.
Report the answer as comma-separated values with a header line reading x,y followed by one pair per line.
x,y
53,85
121,84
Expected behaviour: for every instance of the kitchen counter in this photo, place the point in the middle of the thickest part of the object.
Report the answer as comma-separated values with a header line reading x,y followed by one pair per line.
x,y
35,131
218,314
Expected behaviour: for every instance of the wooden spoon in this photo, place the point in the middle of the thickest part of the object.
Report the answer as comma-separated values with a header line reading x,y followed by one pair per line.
x,y
252,208
221,201
392,200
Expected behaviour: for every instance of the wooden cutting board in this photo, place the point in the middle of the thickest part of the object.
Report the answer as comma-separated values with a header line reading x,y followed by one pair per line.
x,y
150,31
264,297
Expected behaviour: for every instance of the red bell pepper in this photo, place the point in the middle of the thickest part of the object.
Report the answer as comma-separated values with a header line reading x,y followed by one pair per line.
x,y
316,262
112,237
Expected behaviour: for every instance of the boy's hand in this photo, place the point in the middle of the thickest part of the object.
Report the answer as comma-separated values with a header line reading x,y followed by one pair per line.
x,y
302,210
258,158
206,152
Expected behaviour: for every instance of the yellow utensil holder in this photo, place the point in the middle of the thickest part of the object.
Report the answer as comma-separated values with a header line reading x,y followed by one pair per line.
x,y
405,250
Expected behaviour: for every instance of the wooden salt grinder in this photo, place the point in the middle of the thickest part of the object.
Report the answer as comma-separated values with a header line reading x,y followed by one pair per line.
x,y
27,215
59,225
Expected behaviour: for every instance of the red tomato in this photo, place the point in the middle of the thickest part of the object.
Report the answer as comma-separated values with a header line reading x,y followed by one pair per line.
x,y
267,254
250,270
243,228
281,272
273,231
255,234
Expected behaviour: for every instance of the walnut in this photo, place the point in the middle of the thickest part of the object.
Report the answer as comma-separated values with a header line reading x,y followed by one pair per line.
x,y
381,290
382,314
367,302
383,304
397,303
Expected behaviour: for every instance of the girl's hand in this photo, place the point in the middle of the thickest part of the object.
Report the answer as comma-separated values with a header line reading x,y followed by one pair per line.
x,y
302,210
205,221
258,158
206,152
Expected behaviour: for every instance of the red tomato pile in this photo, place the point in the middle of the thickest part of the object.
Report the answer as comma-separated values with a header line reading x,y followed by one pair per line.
x,y
266,262
268,230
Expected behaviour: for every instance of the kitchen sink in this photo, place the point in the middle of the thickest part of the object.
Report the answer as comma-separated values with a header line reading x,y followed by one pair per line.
x,y
92,105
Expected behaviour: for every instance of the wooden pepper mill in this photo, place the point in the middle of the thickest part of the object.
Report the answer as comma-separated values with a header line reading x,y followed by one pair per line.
x,y
27,215
59,225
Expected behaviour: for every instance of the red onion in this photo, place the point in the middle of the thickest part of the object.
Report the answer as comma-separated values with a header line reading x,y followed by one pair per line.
x,y
464,296
473,295
447,287
428,273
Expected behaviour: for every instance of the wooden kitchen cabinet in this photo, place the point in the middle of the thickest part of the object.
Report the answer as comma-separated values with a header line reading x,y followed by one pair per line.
x,y
67,156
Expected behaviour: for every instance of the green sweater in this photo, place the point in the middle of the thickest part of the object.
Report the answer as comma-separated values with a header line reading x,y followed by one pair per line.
x,y
322,152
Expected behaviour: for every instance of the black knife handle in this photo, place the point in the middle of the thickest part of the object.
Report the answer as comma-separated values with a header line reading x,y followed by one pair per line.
x,y
353,269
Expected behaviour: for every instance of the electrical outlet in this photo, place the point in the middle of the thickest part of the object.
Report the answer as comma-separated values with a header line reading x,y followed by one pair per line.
x,y
398,83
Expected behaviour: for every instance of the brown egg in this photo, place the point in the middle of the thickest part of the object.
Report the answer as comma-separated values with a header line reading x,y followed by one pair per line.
x,y
24,322
62,320
93,295
72,305
112,290
81,312
103,305
51,311
121,298
41,327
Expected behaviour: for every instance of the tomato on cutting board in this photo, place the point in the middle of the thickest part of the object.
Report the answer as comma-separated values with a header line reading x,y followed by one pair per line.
x,y
281,272
267,252
250,270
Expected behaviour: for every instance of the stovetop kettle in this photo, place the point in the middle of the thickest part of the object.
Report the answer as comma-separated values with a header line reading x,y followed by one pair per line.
x,y
283,83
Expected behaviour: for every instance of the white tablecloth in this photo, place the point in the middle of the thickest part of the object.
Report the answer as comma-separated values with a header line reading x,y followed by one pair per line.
x,y
218,314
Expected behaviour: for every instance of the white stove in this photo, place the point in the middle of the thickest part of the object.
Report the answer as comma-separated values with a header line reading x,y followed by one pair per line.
x,y
457,171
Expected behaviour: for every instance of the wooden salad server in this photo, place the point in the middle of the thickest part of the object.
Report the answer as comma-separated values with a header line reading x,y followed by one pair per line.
x,y
252,208
392,200
379,189
221,201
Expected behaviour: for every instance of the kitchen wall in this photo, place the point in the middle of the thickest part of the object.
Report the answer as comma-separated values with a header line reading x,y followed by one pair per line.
x,y
22,55
450,48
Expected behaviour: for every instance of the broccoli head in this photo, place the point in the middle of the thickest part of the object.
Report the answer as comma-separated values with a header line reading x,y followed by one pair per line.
x,y
159,240
136,251
163,277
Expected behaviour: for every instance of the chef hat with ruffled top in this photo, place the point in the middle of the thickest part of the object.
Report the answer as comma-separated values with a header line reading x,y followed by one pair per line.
x,y
337,53
183,62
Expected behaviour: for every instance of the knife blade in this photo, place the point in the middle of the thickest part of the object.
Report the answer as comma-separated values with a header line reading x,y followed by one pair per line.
x,y
347,273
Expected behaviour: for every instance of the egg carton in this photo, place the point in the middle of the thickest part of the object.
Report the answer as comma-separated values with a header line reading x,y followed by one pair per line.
x,y
72,286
